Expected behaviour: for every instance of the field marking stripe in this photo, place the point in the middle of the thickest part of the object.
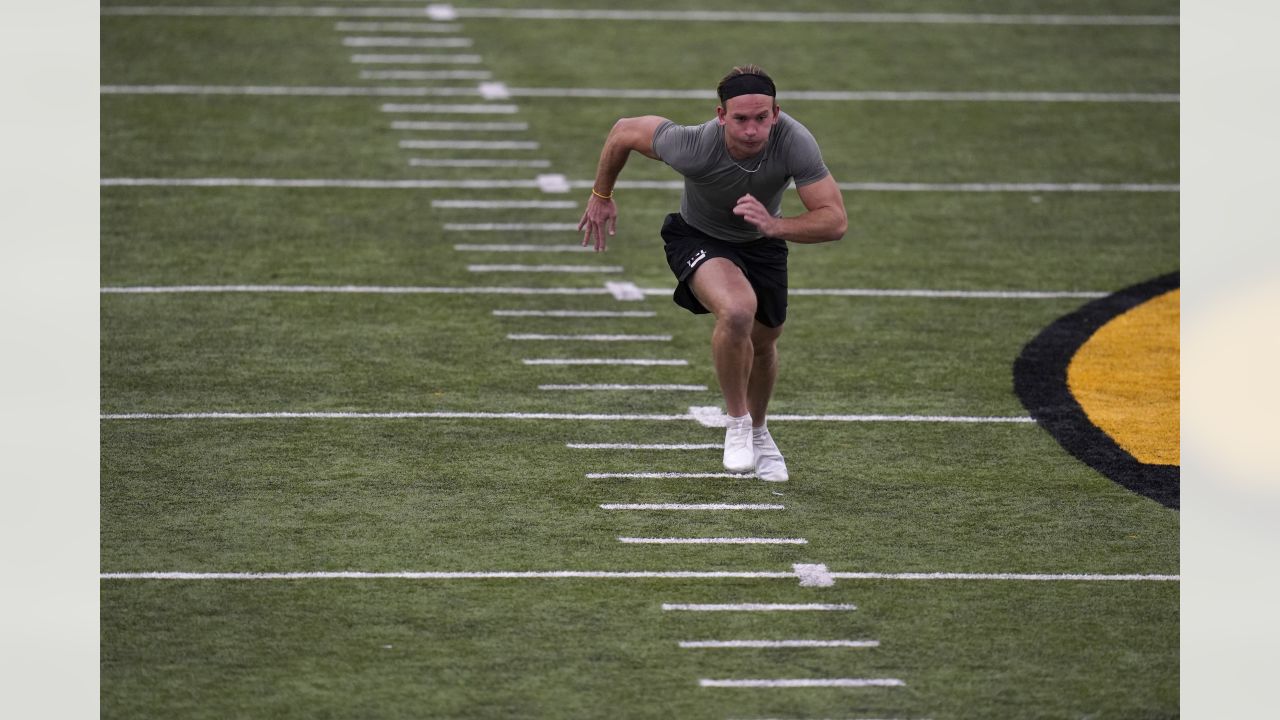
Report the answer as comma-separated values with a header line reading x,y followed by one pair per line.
x,y
691,506
491,204
804,683
397,27
417,59
407,42
590,338
1073,577
576,313
545,268
450,108
624,184
504,227
656,15
968,187
855,95
352,289
478,162
408,575
387,416
371,184
779,643
495,93
461,125
807,17
758,607
469,144
644,446
425,74
948,294
268,11
608,574
624,387
669,476
712,541
639,362
410,290
413,415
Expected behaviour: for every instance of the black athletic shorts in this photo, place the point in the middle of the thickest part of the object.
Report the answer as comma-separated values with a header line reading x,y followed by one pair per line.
x,y
763,261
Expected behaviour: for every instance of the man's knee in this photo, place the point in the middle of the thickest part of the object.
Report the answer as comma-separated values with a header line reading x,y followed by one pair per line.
x,y
738,316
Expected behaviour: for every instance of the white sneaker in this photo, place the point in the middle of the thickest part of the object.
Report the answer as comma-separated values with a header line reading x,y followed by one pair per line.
x,y
739,456
770,466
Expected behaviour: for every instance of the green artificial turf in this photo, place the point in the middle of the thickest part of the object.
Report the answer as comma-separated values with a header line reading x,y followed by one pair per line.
x,y
481,494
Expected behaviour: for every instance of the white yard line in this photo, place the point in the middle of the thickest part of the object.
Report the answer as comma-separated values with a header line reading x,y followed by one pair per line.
x,y
505,204
627,388
589,337
425,74
407,42
605,361
576,313
351,289
293,90
413,184
445,12
460,126
608,575
692,506
948,294
804,683
511,227
451,109
725,16
695,644
581,269
500,91
412,290
469,145
479,162
712,541
347,26
618,417
853,95
670,476
644,446
584,184
416,59
481,575
758,607
1034,577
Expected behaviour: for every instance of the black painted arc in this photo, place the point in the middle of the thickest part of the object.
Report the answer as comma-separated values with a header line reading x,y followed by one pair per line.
x,y
1040,381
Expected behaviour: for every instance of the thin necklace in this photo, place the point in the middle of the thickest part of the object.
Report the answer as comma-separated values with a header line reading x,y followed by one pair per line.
x,y
759,163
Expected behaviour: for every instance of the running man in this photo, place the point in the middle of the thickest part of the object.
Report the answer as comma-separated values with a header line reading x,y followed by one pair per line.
x,y
728,244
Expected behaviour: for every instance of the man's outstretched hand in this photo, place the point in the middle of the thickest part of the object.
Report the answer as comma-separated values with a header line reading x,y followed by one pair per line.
x,y
598,221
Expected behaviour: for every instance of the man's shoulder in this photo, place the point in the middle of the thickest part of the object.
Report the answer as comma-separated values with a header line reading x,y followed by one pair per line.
x,y
673,138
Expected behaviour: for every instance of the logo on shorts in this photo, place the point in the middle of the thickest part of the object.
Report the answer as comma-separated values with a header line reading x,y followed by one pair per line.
x,y
693,262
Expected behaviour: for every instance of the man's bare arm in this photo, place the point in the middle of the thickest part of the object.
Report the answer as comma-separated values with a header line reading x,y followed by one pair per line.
x,y
628,135
824,221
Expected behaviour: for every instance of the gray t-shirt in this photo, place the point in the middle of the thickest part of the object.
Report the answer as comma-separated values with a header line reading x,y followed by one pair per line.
x,y
713,181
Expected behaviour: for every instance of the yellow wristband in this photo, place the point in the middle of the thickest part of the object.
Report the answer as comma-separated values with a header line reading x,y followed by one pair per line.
x,y
605,197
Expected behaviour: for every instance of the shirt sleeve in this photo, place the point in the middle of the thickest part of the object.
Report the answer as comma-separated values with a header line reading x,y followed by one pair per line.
x,y
805,163
680,146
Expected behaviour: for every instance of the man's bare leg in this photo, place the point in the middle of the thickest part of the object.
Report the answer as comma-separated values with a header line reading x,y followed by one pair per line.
x,y
764,370
722,288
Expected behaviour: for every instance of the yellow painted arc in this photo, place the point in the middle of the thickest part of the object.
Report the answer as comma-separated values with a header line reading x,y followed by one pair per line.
x,y
1126,378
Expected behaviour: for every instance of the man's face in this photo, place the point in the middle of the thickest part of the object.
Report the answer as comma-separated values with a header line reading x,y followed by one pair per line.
x,y
747,120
